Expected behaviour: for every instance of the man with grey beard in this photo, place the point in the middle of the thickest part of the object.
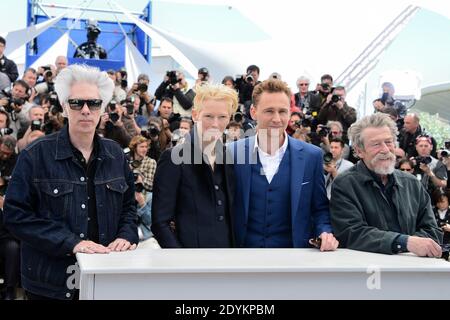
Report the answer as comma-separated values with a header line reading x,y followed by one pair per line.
x,y
379,209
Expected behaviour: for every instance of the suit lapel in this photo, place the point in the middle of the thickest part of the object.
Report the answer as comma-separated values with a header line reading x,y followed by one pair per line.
x,y
297,173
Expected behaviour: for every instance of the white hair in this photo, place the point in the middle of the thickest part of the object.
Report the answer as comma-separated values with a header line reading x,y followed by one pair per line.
x,y
83,73
302,78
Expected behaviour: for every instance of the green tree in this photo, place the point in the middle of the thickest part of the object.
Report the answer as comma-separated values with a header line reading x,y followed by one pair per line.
x,y
436,127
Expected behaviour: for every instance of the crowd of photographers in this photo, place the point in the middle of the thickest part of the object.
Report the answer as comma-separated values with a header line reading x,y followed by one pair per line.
x,y
145,125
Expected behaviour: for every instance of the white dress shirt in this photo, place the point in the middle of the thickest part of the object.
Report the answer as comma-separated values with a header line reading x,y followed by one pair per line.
x,y
271,163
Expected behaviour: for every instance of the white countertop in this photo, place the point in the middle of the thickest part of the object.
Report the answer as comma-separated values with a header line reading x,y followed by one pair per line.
x,y
253,260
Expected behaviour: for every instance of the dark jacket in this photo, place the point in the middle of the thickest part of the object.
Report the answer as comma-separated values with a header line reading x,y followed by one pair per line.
x,y
346,116
45,208
9,67
357,209
443,222
407,142
185,100
184,205
312,102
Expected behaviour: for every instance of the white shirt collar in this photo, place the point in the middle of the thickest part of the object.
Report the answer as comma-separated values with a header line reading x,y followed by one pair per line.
x,y
281,150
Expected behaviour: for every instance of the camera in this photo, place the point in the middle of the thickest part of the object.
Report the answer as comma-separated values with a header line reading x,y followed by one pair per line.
x,y
142,87
47,72
173,78
324,132
112,106
425,160
6,131
335,98
153,131
445,153
327,158
55,105
14,102
129,105
305,123
114,117
238,117
325,86
36,125
249,78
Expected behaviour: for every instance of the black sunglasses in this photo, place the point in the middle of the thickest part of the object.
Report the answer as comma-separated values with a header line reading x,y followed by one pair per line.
x,y
78,104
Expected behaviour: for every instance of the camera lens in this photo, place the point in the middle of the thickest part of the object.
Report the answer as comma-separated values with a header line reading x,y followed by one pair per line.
x,y
328,158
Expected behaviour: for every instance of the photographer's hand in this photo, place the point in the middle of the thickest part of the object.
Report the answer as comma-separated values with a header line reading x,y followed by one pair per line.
x,y
140,199
426,169
4,102
446,227
340,104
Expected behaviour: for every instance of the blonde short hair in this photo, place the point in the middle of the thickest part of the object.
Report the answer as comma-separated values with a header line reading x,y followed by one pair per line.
x,y
216,92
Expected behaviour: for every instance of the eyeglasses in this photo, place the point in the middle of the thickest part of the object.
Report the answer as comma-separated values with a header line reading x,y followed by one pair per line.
x,y
78,104
404,169
303,84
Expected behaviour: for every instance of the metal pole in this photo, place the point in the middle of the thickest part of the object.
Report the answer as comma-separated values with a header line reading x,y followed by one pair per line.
x,y
54,6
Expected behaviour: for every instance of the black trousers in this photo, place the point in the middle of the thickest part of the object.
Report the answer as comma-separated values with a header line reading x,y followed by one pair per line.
x,y
10,258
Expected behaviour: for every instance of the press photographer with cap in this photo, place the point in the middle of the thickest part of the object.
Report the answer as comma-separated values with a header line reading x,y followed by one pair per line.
x,y
91,49
71,192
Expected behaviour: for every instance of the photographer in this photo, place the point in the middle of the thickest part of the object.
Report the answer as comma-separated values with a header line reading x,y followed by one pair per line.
x,y
336,109
147,101
90,49
229,82
324,88
176,88
8,159
440,201
411,131
246,84
294,123
7,66
132,121
17,105
158,137
304,99
141,163
333,130
48,75
334,164
61,63
203,77
37,116
234,132
388,99
4,123
30,77
111,125
430,171
120,92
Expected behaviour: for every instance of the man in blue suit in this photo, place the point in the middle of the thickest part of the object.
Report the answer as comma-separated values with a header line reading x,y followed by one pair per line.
x,y
280,199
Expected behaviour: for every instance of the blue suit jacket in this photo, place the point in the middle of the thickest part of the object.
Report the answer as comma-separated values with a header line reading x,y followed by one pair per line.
x,y
309,202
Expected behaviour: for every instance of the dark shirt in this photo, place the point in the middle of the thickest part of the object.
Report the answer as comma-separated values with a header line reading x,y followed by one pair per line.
x,y
221,213
391,214
89,169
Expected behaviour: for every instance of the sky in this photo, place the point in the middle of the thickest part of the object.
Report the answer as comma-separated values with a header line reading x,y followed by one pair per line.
x,y
325,41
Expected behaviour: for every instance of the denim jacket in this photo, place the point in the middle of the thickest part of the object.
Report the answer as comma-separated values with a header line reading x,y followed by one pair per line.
x,y
46,208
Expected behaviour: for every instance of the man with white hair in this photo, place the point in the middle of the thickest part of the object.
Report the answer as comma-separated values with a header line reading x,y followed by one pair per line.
x,y
61,63
377,208
72,191
304,99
